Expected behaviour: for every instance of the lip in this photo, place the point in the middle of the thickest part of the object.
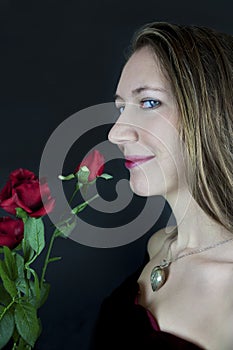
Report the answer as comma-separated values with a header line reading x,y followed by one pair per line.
x,y
133,161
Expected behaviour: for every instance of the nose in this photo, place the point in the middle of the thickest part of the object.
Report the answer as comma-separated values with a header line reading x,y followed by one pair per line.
x,y
123,132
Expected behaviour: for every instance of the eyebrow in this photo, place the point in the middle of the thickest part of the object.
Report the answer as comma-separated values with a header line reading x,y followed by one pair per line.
x,y
140,89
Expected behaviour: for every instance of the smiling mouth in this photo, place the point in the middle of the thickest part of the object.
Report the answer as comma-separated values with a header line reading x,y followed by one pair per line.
x,y
134,161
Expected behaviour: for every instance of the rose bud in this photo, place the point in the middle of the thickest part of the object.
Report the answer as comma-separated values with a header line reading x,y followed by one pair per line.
x,y
24,190
94,162
11,232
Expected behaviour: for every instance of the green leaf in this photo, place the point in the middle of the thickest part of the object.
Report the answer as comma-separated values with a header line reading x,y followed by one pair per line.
x,y
5,298
21,285
28,252
9,285
34,234
7,325
45,289
21,282
10,263
19,265
35,286
26,322
106,176
67,177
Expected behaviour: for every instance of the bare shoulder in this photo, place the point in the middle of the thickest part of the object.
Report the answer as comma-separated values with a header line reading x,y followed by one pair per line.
x,y
224,302
159,238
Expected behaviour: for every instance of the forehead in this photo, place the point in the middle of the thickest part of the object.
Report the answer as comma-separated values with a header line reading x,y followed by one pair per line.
x,y
142,68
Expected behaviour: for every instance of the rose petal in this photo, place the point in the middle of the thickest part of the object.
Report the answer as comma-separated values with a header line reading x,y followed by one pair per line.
x,y
11,232
24,190
95,163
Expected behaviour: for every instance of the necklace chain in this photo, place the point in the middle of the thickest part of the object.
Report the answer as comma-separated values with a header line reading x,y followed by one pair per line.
x,y
159,273
166,262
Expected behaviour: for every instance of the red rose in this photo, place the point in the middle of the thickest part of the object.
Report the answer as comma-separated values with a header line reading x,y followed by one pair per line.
x,y
11,232
95,163
24,190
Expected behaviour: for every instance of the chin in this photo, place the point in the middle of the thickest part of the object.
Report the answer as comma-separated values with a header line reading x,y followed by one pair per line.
x,y
146,189
140,189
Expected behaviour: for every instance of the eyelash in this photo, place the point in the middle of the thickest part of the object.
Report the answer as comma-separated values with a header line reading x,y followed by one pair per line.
x,y
157,104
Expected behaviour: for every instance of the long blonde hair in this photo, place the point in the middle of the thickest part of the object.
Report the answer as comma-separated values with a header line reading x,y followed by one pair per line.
x,y
198,62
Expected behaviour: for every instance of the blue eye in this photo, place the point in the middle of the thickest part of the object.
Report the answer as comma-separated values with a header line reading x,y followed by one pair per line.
x,y
150,104
121,109
144,104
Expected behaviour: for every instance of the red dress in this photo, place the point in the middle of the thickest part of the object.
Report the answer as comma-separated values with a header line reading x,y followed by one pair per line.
x,y
125,325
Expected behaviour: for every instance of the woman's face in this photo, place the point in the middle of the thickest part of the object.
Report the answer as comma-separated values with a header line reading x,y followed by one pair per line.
x,y
146,131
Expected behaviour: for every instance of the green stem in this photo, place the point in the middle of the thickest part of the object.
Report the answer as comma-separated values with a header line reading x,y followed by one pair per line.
x,y
32,260
7,308
91,199
78,186
47,257
83,205
75,192
73,195
55,235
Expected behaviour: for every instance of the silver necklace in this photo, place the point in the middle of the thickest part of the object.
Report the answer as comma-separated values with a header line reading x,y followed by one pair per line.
x,y
159,273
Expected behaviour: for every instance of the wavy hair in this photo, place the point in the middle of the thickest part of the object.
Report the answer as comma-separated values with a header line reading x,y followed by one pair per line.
x,y
198,62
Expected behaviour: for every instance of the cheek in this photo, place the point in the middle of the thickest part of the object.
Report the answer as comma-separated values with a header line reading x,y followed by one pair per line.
x,y
169,165
159,130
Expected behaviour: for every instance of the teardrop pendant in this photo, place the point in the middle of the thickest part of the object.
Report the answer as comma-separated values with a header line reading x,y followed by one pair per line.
x,y
157,278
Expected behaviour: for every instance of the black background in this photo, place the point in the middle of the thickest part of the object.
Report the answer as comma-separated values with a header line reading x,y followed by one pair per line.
x,y
56,58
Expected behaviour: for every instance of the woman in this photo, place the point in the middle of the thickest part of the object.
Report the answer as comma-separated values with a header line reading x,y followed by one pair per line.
x,y
175,98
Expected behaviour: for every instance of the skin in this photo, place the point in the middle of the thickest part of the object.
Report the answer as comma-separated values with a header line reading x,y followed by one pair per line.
x,y
147,126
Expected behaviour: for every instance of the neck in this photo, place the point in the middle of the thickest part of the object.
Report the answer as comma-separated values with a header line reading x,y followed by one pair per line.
x,y
195,227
